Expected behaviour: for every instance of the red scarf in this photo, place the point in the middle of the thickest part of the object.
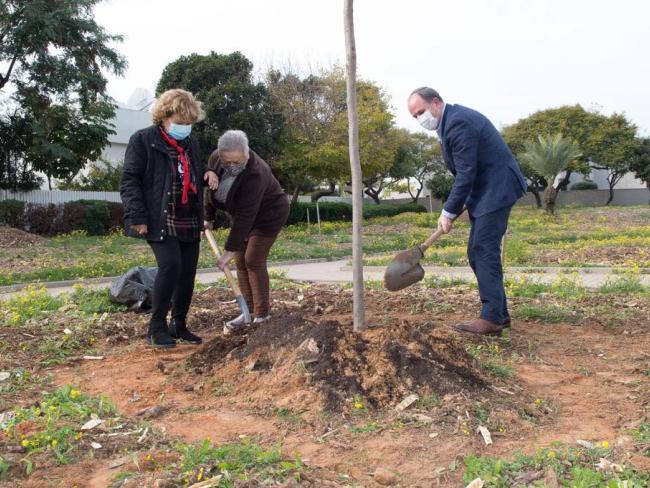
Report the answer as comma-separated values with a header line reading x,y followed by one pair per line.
x,y
187,183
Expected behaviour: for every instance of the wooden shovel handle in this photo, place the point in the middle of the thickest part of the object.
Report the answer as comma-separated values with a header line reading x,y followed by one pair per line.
x,y
226,270
436,235
432,238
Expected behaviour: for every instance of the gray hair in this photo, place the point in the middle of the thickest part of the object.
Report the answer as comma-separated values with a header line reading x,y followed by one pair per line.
x,y
234,141
427,94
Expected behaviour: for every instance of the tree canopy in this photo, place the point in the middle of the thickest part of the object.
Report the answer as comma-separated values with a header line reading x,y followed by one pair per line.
x,y
231,99
606,142
53,56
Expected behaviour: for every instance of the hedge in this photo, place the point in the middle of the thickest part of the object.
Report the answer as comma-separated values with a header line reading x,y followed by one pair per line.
x,y
338,211
584,185
12,212
98,217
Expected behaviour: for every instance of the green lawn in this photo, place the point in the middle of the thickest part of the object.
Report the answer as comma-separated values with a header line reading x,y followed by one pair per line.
x,y
602,236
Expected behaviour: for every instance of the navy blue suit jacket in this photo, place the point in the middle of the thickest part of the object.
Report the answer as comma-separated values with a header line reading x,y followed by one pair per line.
x,y
487,176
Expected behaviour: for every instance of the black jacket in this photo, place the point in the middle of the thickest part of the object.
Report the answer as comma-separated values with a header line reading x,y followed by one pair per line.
x,y
145,186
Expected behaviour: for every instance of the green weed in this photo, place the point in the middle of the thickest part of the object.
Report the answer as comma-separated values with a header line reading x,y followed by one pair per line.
x,y
573,467
489,357
428,402
243,461
547,313
57,418
624,284
366,428
31,303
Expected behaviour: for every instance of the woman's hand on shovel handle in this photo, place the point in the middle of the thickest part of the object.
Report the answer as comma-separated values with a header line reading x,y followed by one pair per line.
x,y
445,224
141,229
225,258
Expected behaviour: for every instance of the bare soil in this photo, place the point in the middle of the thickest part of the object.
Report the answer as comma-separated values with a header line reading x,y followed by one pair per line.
x,y
11,237
335,407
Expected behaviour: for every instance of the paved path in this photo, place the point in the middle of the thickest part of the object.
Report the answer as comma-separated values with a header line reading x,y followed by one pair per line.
x,y
341,272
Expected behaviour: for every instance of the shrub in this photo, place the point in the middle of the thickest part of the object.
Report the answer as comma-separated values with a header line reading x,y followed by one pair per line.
x,y
389,210
339,211
41,219
95,217
329,211
95,222
115,215
584,185
72,216
440,185
12,212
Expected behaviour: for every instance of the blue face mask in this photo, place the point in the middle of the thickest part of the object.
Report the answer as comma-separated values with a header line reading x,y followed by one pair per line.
x,y
179,131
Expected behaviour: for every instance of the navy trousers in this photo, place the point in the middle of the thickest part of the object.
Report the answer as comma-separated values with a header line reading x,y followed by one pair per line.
x,y
484,254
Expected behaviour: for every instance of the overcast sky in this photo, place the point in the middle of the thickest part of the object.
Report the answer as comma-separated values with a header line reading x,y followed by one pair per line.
x,y
505,58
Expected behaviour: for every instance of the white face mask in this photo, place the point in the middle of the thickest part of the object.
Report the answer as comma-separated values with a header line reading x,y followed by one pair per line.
x,y
427,120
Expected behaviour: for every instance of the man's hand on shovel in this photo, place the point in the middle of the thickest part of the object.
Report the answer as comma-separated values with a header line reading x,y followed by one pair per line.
x,y
445,224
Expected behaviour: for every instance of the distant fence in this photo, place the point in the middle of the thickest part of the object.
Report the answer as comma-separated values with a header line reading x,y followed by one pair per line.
x,y
45,197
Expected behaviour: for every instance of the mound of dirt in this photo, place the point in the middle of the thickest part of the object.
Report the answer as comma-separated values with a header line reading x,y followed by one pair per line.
x,y
12,237
303,356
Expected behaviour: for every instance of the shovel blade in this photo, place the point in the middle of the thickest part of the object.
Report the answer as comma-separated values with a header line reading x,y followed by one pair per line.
x,y
244,309
404,270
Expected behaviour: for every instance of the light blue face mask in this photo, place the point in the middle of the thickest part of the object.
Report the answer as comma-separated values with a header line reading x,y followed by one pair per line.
x,y
179,131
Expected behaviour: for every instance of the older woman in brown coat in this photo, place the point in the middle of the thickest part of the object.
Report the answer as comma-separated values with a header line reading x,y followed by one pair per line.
x,y
258,208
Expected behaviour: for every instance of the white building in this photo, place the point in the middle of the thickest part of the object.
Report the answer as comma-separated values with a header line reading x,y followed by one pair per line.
x,y
129,118
599,176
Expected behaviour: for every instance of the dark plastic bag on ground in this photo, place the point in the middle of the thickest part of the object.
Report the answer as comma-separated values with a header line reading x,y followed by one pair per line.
x,y
134,289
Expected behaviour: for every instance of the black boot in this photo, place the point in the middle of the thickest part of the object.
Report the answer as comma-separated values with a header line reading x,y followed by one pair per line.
x,y
178,330
158,336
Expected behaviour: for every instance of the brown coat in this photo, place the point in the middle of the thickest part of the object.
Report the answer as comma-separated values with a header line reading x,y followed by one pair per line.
x,y
256,202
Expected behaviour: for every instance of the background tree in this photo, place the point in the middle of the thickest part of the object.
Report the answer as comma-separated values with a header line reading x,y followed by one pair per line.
x,y
614,145
417,158
16,173
53,57
382,173
440,182
301,102
605,142
549,156
101,177
641,161
377,142
231,99
313,143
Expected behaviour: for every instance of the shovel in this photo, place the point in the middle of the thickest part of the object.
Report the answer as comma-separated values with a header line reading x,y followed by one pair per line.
x,y
231,280
405,268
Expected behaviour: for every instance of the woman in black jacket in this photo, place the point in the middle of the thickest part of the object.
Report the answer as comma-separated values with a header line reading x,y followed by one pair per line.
x,y
161,188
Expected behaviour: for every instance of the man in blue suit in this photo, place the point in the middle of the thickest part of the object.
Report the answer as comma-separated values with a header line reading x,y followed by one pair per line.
x,y
487,183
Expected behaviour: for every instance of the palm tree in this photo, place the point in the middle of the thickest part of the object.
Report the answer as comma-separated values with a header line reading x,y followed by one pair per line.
x,y
548,157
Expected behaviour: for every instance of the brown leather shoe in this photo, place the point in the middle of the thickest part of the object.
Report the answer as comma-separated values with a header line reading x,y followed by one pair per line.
x,y
506,322
480,327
